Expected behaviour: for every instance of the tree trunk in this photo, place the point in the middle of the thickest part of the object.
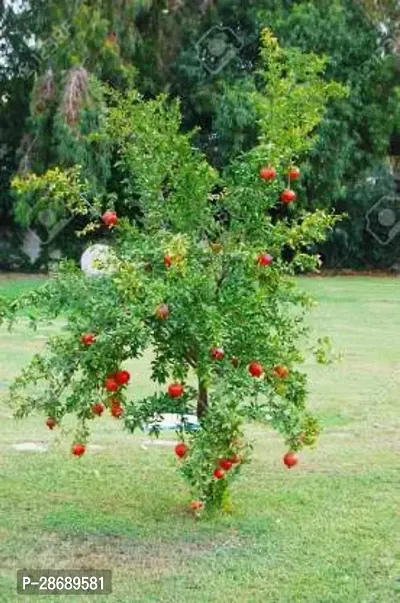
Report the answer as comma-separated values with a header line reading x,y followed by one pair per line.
x,y
202,400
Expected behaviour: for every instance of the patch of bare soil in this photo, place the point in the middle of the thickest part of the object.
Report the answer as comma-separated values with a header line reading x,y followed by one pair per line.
x,y
152,559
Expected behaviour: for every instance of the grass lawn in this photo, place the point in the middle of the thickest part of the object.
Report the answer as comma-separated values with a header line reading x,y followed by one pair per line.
x,y
325,532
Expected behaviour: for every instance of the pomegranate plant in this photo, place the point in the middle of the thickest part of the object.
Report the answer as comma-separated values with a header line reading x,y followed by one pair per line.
x,y
202,275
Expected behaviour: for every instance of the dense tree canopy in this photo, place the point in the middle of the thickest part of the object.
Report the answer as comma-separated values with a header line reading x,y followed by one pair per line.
x,y
60,51
353,138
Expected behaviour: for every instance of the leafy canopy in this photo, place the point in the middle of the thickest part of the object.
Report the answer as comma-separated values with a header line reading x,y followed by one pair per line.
x,y
194,250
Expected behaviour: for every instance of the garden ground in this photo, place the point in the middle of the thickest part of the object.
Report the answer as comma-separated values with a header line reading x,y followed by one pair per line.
x,y
324,532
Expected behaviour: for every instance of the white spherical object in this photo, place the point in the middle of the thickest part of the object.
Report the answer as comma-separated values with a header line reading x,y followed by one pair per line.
x,y
93,256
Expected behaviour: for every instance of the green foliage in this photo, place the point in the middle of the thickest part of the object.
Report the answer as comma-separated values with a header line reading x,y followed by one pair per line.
x,y
83,44
57,190
160,166
350,244
180,254
14,102
59,52
354,136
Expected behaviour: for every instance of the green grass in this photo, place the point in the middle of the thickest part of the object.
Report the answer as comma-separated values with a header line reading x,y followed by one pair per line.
x,y
325,532
12,285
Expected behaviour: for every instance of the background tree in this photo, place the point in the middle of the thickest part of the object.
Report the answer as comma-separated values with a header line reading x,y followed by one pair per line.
x,y
16,60
58,53
214,300
157,43
354,136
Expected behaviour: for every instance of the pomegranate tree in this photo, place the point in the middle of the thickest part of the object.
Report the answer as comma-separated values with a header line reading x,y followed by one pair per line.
x,y
213,298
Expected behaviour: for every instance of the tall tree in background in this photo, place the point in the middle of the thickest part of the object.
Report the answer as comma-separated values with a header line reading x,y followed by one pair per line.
x,y
354,136
165,45
59,52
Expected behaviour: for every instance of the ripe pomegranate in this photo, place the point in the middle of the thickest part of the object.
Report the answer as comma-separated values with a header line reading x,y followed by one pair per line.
x,y
290,459
175,390
88,339
255,369
219,473
167,261
78,449
181,450
110,218
225,464
51,422
281,371
217,353
111,384
294,173
196,505
122,377
288,196
117,410
267,173
97,409
265,260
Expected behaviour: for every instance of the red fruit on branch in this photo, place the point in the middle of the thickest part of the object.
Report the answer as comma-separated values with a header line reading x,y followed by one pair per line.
x,y
281,371
117,410
88,339
51,422
225,464
217,353
109,218
219,473
196,505
97,409
288,196
122,377
290,459
175,390
265,259
267,173
78,449
162,312
255,369
167,261
111,384
181,450
294,173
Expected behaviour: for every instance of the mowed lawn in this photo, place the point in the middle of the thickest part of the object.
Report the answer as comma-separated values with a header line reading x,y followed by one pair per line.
x,y
324,532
